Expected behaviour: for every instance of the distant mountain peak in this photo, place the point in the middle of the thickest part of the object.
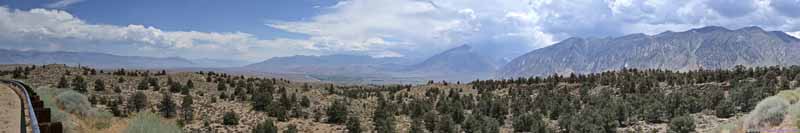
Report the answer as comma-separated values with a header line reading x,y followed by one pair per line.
x,y
461,59
752,29
710,29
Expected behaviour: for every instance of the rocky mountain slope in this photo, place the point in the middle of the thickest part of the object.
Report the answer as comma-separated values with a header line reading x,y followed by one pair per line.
x,y
327,64
707,48
462,60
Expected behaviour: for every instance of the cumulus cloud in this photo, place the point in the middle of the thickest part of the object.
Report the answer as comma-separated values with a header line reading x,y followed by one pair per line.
x,y
733,8
59,30
411,26
420,28
787,7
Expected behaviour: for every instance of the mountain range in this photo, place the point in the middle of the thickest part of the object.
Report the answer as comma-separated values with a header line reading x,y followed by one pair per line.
x,y
105,61
702,48
709,47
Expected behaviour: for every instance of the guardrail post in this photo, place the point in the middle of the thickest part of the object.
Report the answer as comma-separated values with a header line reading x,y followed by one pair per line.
x,y
42,114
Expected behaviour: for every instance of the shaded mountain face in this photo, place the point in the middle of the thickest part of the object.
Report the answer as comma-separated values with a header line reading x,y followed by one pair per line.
x,y
461,59
220,63
328,64
97,60
706,48
461,63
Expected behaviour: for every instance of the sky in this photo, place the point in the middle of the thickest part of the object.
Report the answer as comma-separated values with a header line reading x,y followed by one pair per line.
x,y
255,30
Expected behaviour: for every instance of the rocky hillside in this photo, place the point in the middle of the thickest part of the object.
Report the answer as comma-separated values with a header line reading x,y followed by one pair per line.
x,y
706,48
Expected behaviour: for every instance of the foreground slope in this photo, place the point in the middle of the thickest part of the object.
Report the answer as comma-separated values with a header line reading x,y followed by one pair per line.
x,y
706,48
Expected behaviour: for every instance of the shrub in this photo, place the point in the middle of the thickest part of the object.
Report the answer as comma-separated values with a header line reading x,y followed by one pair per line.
x,y
353,125
74,102
266,127
725,109
769,111
794,112
790,95
725,128
47,96
291,129
230,118
529,122
681,124
481,124
148,122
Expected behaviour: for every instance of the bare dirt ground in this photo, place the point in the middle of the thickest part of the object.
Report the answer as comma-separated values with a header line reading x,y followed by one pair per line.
x,y
9,110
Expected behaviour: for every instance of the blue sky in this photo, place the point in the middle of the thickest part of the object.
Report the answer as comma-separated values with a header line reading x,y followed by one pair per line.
x,y
246,16
256,30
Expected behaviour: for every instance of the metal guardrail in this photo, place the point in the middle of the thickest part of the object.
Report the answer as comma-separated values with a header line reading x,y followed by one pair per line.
x,y
35,106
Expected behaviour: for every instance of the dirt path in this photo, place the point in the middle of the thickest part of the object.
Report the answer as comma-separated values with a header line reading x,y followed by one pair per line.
x,y
9,110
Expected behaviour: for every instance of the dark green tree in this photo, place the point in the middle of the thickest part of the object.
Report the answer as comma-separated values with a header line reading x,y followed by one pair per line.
x,y
230,118
79,84
354,125
137,102
529,122
167,108
481,124
725,109
189,84
187,109
446,124
261,101
681,124
221,86
142,85
417,126
337,112
291,129
99,85
305,102
63,83
266,127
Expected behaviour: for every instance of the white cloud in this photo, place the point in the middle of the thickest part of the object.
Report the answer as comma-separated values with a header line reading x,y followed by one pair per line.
x,y
63,3
796,34
55,29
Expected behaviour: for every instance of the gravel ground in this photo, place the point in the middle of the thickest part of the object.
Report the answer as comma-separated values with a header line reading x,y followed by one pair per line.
x,y
9,110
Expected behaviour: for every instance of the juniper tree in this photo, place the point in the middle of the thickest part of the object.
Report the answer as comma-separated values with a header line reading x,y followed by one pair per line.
x,y
189,84
353,125
63,83
221,86
267,126
142,85
187,109
99,85
291,129
79,84
337,112
230,118
167,107
137,102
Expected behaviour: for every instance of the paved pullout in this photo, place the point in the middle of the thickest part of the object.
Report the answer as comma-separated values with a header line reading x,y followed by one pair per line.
x,y
9,110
